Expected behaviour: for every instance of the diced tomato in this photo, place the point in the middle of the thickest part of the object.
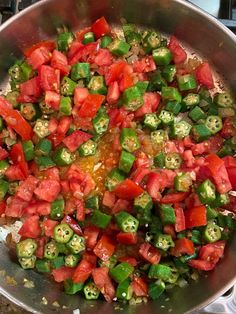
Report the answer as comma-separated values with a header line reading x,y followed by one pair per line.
x,y
80,34
53,123
91,105
49,44
229,161
2,207
73,224
30,228
3,153
103,282
204,75
180,218
121,205
103,57
14,173
169,229
127,190
80,210
75,139
232,177
48,190
82,53
179,54
40,208
109,199
126,81
80,94
91,234
49,78
104,248
63,126
100,27
151,102
201,265
40,247
114,72
60,62
139,174
30,89
128,259
48,226
52,99
127,238
15,207
195,217
228,129
62,273
139,287
173,197
26,188
141,160
117,117
188,158
39,57
18,158
182,246
83,270
154,183
212,252
145,65
149,253
15,120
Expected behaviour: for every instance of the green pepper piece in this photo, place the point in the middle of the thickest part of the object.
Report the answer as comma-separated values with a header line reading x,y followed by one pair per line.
x,y
124,290
173,106
105,41
43,147
163,242
62,248
76,244
27,262
224,100
3,167
1,124
44,162
126,222
159,160
173,161
155,289
30,112
126,161
119,47
191,100
155,225
156,82
62,233
196,236
63,157
180,129
88,38
57,209
159,136
212,233
114,178
97,85
170,93
162,56
72,260
12,98
80,70
91,291
72,288
183,182
200,132
186,82
197,114
186,258
121,272
166,117
67,86
142,86
26,248
206,192
226,150
28,149
151,41
214,124
51,250
151,121
110,263
211,213
221,200
43,266
143,202
65,106
169,73
100,219
88,148
64,40
92,202
167,214
214,110
132,98
129,140
41,128
101,122
4,186
160,271
58,262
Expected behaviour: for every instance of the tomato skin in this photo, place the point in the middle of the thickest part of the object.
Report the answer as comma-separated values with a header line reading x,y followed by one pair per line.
x,y
204,75
128,238
128,259
48,226
83,270
179,54
91,105
30,228
63,126
91,234
180,218
39,57
201,265
127,190
228,129
154,185
104,283
195,217
48,190
120,205
144,65
114,72
18,158
62,273
139,287
49,44
60,62
49,78
100,27
26,188
174,197
75,139
80,94
82,52
104,248
182,246
212,252
52,99
149,253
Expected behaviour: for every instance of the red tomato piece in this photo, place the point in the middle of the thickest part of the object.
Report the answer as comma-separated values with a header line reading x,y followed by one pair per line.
x,y
201,265
145,65
30,228
154,185
179,54
113,93
180,218
30,88
14,173
82,53
60,62
63,126
114,72
48,226
149,253
127,238
120,205
195,217
182,246
229,161
126,81
232,177
204,75
39,57
139,287
48,190
40,247
128,259
80,210
212,252
52,174
103,57
91,234
49,44
15,207
228,129
170,229
109,199
49,78
104,248
91,105
26,189
62,273
100,27
139,174
3,153
52,99
41,208
103,282
83,270
141,161
75,139
18,158
127,190
151,102
80,94
2,207
73,224
174,197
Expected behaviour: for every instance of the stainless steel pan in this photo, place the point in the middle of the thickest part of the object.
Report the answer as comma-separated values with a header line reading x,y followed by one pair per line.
x,y
197,30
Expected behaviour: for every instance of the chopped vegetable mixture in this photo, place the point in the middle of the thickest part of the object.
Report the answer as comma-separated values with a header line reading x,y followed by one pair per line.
x,y
118,157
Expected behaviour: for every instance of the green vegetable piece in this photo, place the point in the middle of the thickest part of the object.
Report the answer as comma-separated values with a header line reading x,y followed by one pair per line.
x,y
88,148
58,262
224,100
143,205
65,106
72,288
97,85
44,162
1,124
159,160
221,200
167,214
26,248
28,149
62,233
151,41
173,161
121,272
13,186
64,40
132,98
212,233
226,150
170,93
101,122
169,73
129,140
191,100
114,178
162,56
80,70
166,117
43,147
105,41
151,121
43,266
163,242
206,192
196,236
88,38
100,219
91,291
41,128
57,209
142,86
160,271
3,167
159,137
67,86
200,132
51,250
110,263
124,290
92,202
173,107
181,129
119,47
214,124
63,157
186,82
224,112
27,262
197,114
30,112
126,222
156,82
183,182
211,213
72,260
62,248
76,244
155,289
126,161
4,185
45,109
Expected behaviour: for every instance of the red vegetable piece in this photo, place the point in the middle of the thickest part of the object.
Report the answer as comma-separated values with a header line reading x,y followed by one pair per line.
x,y
30,228
180,218
62,273
100,27
38,57
109,199
80,94
52,99
104,248
179,54
60,62
149,253
91,105
49,44
18,158
144,65
140,287
2,207
151,102
204,75
3,153
182,246
195,217
212,252
49,78
103,57
73,224
127,238
41,208
83,270
48,226
174,197
127,190
14,173
40,247
201,265
15,207
103,282
26,188
75,139
128,259
91,234
114,72
48,190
